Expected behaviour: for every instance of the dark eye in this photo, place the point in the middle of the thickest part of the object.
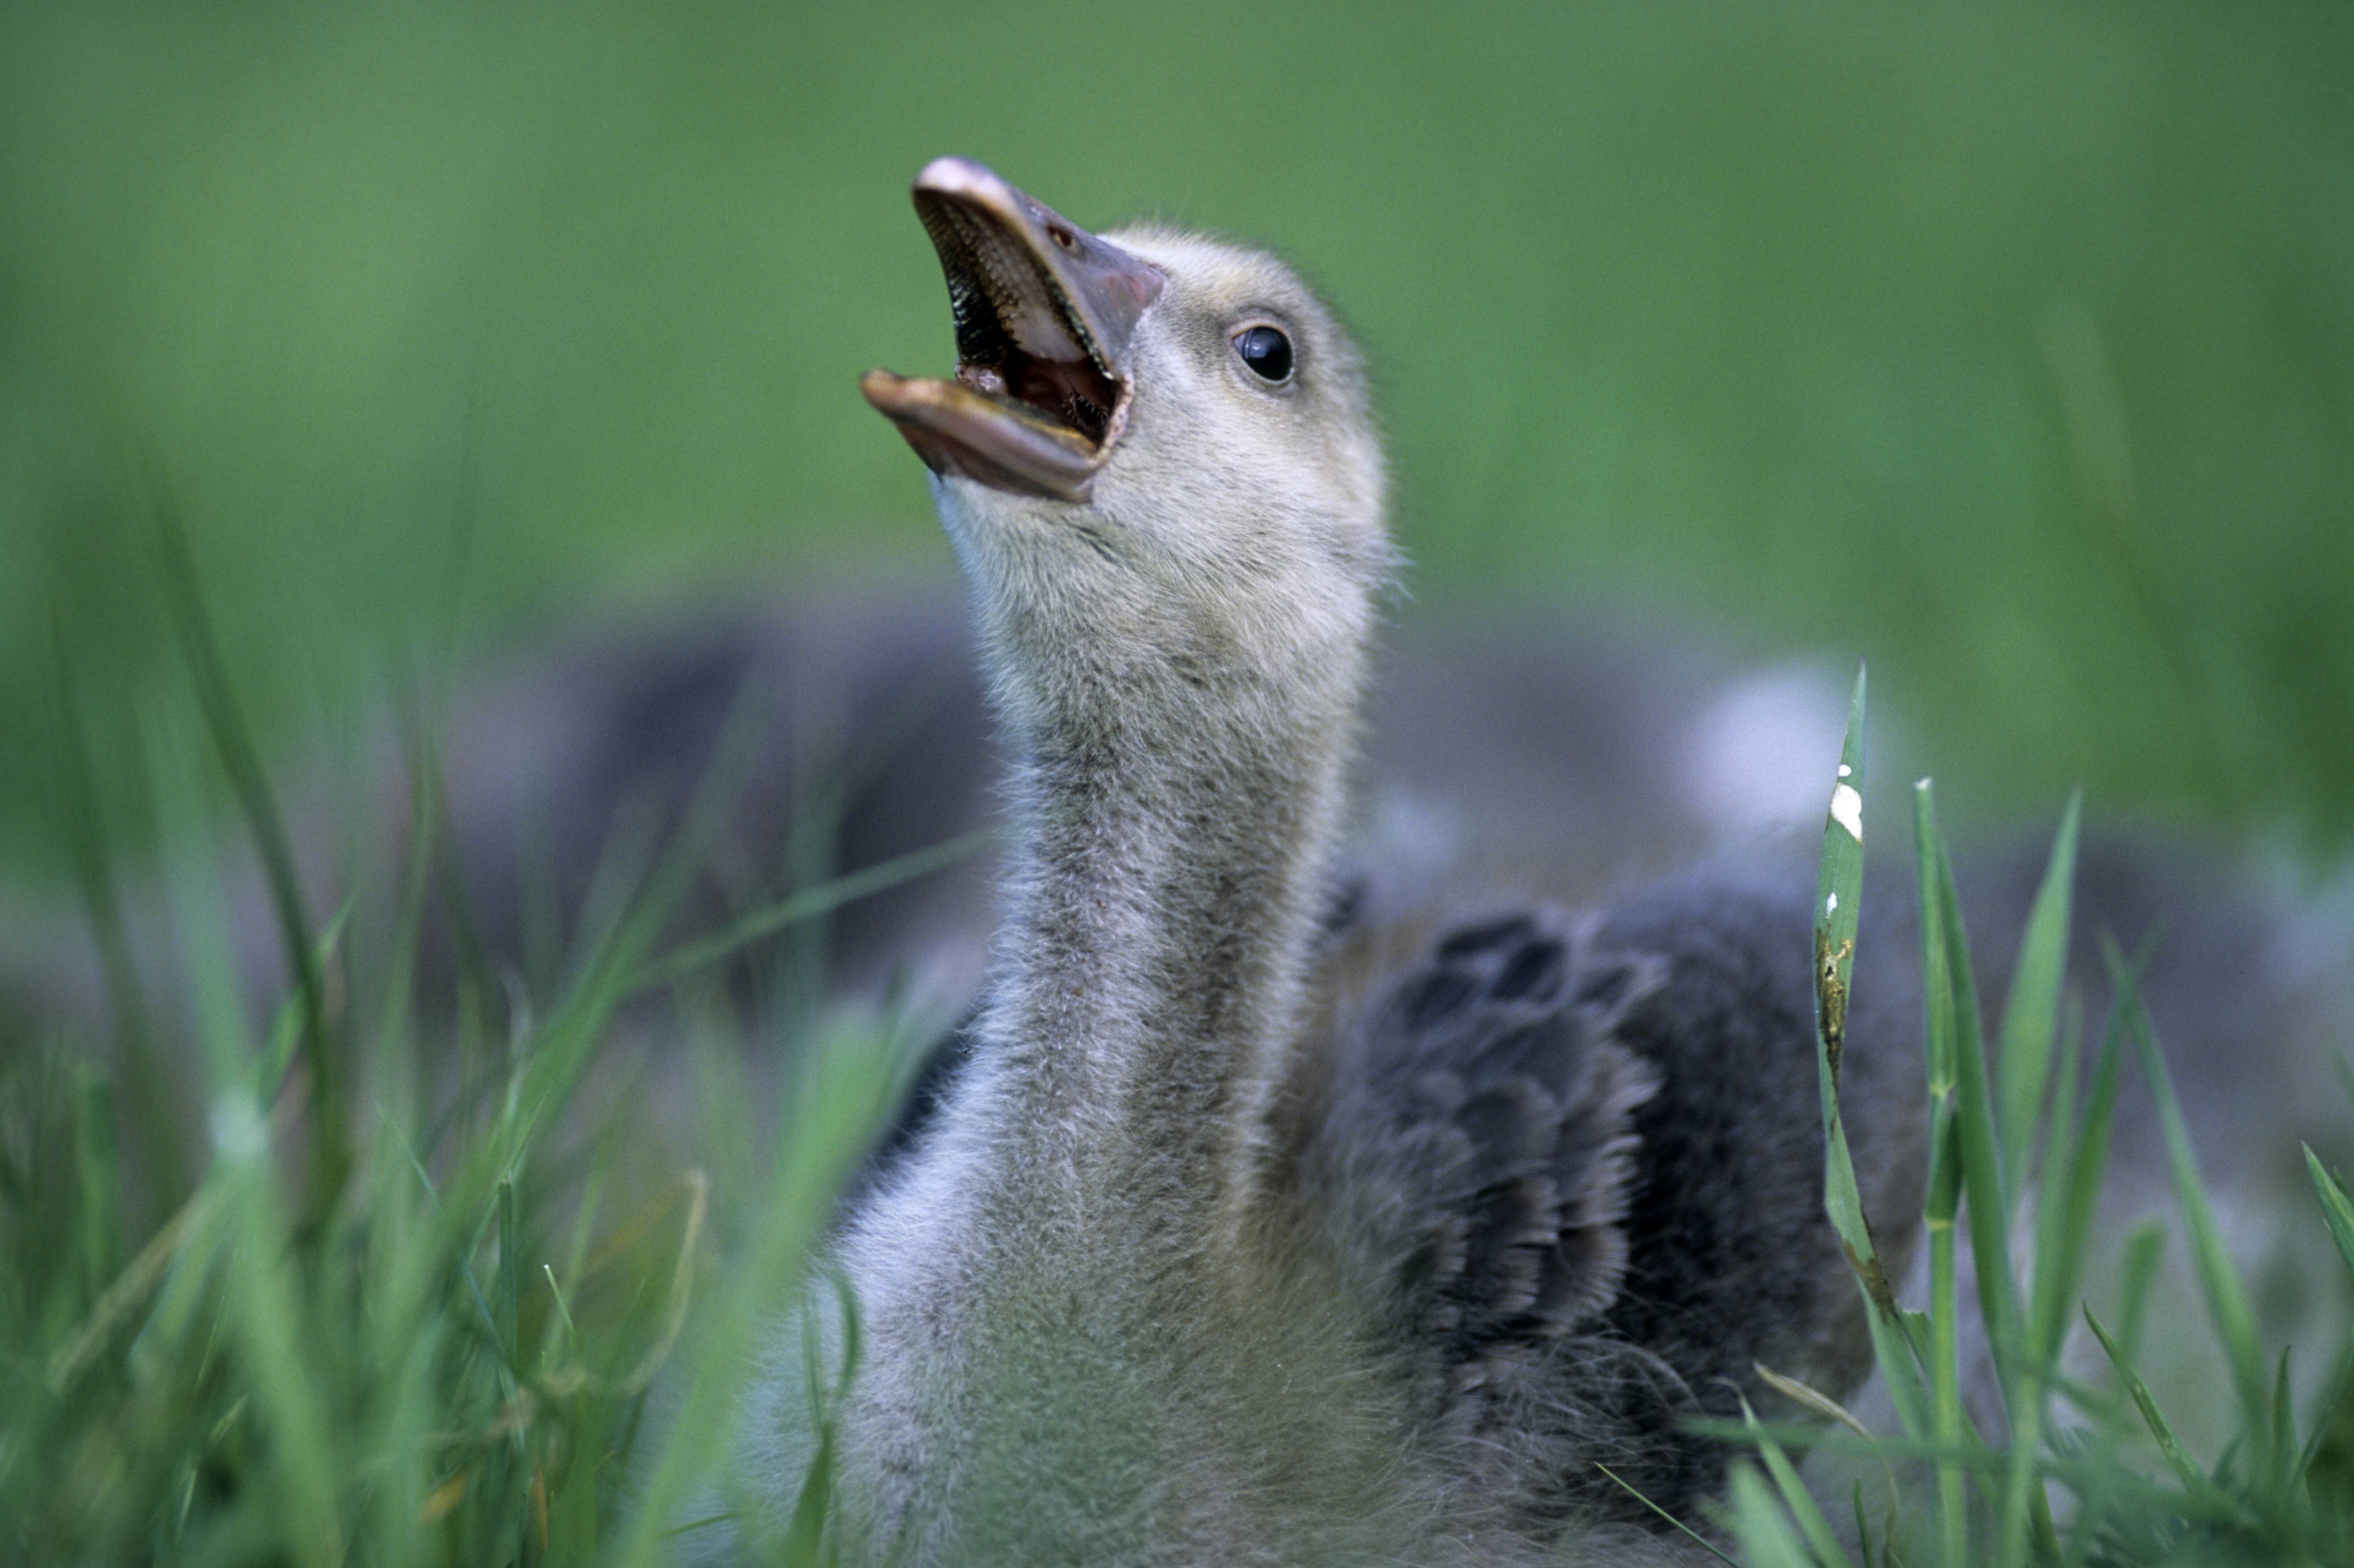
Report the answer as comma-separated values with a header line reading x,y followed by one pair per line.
x,y
1266,351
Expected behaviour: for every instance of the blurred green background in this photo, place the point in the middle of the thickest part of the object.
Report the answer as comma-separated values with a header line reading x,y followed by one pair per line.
x,y
2010,347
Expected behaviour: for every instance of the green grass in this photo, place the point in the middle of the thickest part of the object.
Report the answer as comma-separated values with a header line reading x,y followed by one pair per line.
x,y
2077,1471
414,1300
2018,340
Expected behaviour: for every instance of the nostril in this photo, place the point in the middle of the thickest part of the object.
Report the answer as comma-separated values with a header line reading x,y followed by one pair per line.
x,y
1062,237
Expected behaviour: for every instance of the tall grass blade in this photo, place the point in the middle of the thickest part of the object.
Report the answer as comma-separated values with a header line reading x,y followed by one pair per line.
x,y
233,741
2051,1290
2336,1208
509,1281
2338,1401
809,905
2284,1451
1799,1501
416,885
1942,1029
2333,1427
1978,1149
563,1045
265,1310
1839,894
1976,1159
157,1130
2160,1429
2031,1013
97,1182
2072,1190
2138,1261
2228,1306
1760,1525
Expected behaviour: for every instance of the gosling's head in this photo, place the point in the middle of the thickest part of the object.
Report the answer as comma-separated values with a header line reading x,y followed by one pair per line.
x,y
1157,450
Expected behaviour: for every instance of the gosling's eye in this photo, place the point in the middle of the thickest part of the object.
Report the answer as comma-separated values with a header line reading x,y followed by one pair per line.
x,y
1266,351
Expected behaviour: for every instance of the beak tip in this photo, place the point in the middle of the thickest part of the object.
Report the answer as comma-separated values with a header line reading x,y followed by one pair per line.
x,y
958,177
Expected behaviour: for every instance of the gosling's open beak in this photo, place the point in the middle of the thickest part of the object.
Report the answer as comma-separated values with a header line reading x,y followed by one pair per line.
x,y
1044,312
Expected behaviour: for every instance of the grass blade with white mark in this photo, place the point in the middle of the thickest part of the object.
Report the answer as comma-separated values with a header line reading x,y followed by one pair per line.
x,y
1839,892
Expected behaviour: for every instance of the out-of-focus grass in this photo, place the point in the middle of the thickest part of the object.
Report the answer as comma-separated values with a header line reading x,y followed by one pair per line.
x,y
2021,337
410,1299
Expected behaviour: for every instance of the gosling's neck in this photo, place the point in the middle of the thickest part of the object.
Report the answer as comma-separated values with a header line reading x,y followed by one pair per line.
x,y
1176,792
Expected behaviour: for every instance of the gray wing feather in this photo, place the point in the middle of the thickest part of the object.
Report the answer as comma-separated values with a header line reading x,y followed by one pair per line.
x,y
1584,1157
1487,1110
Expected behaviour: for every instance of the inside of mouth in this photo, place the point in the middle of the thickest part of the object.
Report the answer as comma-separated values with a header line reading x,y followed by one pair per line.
x,y
1016,338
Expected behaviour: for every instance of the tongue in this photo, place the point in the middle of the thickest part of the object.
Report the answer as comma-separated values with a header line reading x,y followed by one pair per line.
x,y
1035,325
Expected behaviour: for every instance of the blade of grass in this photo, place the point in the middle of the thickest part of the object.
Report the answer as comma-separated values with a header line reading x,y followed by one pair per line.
x,y
809,904
122,1297
2076,1156
1978,1157
1830,1409
509,1281
561,1047
392,1036
2284,1445
266,1312
1704,1543
1799,1501
2031,1013
233,741
158,1132
2338,1211
1813,1399
1979,1148
2031,1018
1942,1033
2058,1174
97,1182
2228,1306
2138,1261
1759,1524
1975,1457
1839,892
2160,1430
565,1334
2336,1208
805,1533
2331,1414
2073,1189
843,1099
